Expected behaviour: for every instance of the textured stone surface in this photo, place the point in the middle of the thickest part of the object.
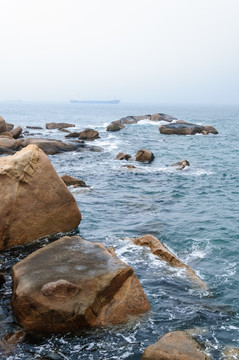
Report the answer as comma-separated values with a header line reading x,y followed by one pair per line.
x,y
35,201
3,126
73,283
144,155
177,345
59,126
69,180
181,128
49,146
89,134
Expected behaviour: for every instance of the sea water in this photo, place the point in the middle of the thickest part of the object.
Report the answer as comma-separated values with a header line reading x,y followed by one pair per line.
x,y
194,212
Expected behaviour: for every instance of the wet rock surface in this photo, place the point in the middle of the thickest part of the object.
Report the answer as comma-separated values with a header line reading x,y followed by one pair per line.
x,y
72,284
69,180
144,155
58,126
183,128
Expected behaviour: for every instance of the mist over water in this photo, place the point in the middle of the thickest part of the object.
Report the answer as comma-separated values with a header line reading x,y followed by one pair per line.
x,y
194,212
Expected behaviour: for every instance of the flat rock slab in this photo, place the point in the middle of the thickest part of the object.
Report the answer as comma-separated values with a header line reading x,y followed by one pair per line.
x,y
50,146
176,345
186,129
72,284
58,126
35,202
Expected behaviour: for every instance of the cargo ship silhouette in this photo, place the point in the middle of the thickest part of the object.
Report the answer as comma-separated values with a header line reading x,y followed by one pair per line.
x,y
75,100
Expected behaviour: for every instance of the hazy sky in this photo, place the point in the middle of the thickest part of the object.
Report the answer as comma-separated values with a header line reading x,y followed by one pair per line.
x,y
166,51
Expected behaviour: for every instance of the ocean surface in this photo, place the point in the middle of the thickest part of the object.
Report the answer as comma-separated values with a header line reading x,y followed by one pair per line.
x,y
194,212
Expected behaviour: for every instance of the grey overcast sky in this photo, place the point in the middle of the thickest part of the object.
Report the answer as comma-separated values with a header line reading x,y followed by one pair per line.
x,y
166,51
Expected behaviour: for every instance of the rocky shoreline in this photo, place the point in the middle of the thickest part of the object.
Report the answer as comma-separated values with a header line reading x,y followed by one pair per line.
x,y
72,283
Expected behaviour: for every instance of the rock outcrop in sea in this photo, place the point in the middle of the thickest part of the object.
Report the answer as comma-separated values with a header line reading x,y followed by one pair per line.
x,y
35,201
72,284
184,128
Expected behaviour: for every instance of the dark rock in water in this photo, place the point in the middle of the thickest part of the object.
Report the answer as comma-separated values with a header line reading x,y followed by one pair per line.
x,y
72,284
9,341
158,249
89,134
83,147
49,146
115,126
58,125
64,130
176,345
123,156
34,127
162,117
144,155
3,126
181,164
185,129
2,279
132,167
16,132
69,180
35,202
209,130
73,135
9,126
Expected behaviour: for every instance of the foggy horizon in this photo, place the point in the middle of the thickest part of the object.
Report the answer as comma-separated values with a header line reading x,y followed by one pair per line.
x,y
153,51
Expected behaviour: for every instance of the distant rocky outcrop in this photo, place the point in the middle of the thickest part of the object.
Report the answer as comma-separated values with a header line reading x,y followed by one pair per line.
x,y
89,134
180,128
69,180
181,164
144,155
35,201
58,126
176,345
50,146
160,250
72,284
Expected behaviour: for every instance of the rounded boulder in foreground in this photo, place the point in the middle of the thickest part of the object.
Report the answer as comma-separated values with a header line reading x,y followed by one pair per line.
x,y
35,201
72,284
144,155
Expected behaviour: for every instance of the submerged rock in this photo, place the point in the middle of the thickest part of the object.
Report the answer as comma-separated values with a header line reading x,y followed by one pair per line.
x,y
9,341
144,155
69,180
50,146
58,126
176,345
181,128
34,127
181,164
72,284
158,249
231,353
123,156
35,201
89,134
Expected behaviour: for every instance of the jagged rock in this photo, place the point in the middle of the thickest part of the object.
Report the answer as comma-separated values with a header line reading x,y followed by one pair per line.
x,y
3,126
71,284
115,126
176,345
59,126
68,180
73,135
49,146
123,156
181,164
185,129
34,127
89,134
144,155
231,353
35,201
16,132
160,250
162,117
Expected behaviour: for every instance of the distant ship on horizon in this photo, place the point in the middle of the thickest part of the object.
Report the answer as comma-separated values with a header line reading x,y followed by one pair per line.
x,y
75,100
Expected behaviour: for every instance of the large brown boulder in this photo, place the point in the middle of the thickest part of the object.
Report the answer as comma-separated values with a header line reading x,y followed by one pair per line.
x,y
186,129
3,126
58,126
9,126
69,180
160,250
50,146
123,156
16,132
89,134
71,284
35,201
115,126
144,155
176,345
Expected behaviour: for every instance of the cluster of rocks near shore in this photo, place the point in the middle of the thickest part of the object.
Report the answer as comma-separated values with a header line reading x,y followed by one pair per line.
x,y
73,283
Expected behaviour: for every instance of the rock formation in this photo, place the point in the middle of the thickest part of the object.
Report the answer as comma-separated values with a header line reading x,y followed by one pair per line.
x,y
89,134
181,164
50,146
144,155
115,126
180,128
158,249
176,345
58,126
123,156
35,201
71,284
3,126
16,132
69,180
